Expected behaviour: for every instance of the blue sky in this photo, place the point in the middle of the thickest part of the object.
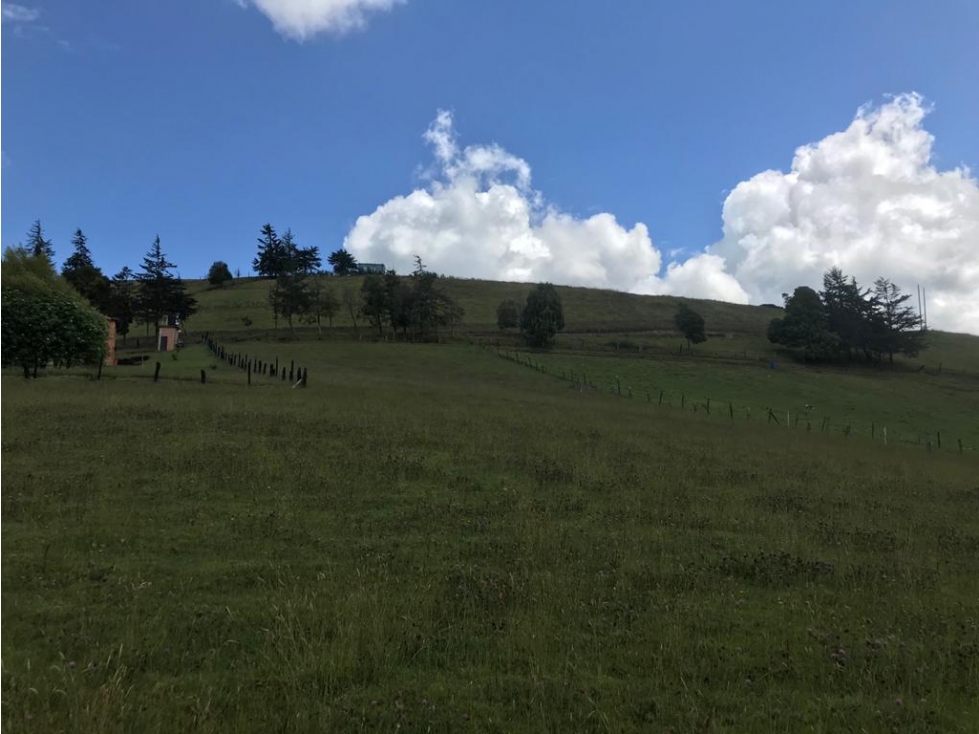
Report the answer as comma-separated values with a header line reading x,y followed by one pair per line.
x,y
201,120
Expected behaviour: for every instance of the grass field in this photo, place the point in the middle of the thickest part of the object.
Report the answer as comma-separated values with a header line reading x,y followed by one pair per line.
x,y
431,538
586,309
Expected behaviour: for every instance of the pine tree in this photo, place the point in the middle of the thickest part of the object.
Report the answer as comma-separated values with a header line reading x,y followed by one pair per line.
x,y
123,300
82,273
343,262
896,328
37,246
847,311
290,295
81,257
270,261
161,292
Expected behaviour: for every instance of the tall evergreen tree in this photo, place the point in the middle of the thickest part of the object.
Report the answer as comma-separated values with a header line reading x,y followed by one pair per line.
x,y
37,246
895,327
308,259
123,300
82,273
161,292
847,311
290,294
270,261
81,256
342,262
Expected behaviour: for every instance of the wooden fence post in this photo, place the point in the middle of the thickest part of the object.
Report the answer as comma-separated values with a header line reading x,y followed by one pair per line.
x,y
938,435
156,372
249,368
203,377
99,375
730,409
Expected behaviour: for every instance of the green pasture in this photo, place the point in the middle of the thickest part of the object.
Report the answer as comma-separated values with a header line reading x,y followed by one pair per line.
x,y
432,538
913,407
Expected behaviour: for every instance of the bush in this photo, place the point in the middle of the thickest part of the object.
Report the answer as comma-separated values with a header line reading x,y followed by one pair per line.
x,y
219,274
542,317
44,319
508,314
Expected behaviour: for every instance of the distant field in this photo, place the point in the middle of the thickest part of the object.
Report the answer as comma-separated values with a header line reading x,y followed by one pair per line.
x,y
596,321
586,309
432,538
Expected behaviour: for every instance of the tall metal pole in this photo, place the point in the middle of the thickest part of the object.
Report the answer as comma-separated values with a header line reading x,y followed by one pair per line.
x,y
921,320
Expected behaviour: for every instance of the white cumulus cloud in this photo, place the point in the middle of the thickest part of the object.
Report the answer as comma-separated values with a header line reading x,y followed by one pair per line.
x,y
480,217
14,13
302,19
870,201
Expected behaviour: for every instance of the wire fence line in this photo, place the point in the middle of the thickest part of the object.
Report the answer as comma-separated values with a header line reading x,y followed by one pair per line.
x,y
805,420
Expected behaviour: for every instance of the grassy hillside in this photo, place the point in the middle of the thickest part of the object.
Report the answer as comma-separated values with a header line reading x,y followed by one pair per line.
x,y
468,536
436,539
597,321
586,309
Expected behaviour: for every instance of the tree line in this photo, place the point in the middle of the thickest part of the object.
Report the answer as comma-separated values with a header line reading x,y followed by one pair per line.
x,y
128,296
415,305
846,321
50,316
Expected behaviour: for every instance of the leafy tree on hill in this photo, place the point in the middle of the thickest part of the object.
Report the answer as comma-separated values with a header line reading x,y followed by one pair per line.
x,y
374,301
508,314
44,319
542,317
322,304
343,262
430,306
37,245
290,295
398,301
219,274
690,324
82,273
804,326
353,302
846,319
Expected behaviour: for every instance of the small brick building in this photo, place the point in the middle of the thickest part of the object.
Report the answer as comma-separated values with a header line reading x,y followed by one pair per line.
x,y
166,338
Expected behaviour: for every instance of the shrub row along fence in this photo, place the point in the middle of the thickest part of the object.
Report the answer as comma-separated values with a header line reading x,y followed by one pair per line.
x,y
252,366
580,381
